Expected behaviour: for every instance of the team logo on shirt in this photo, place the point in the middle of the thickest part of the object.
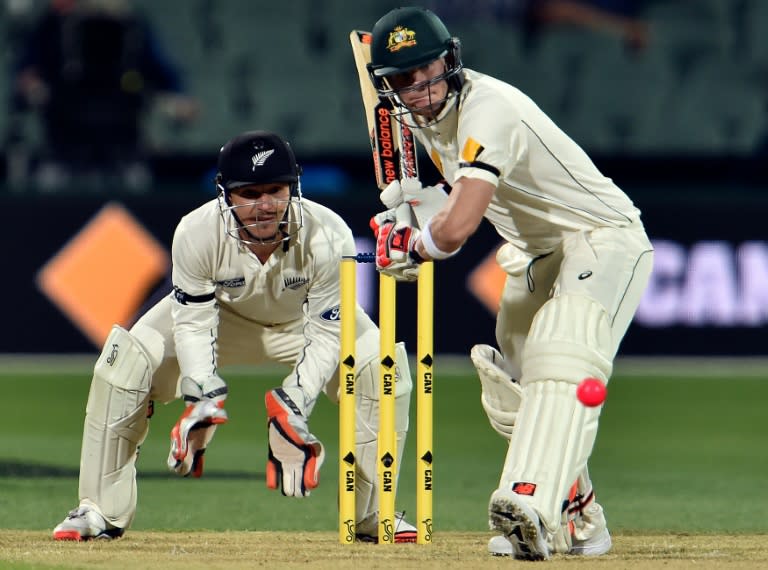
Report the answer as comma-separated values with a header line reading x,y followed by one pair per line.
x,y
332,314
231,283
400,38
295,282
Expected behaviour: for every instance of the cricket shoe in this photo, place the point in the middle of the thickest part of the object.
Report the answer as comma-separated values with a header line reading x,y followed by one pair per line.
x,y
518,522
403,530
583,532
593,546
588,529
84,523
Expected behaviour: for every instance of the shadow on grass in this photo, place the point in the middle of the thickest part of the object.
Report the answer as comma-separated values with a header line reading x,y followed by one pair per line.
x,y
42,471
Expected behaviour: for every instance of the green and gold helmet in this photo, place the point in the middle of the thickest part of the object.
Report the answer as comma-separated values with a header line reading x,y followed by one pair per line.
x,y
407,38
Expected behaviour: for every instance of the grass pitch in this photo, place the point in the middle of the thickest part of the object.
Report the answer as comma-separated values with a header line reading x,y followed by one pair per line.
x,y
451,550
678,466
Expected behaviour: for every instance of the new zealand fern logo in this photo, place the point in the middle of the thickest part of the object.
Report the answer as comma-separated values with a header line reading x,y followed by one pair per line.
x,y
260,158
294,283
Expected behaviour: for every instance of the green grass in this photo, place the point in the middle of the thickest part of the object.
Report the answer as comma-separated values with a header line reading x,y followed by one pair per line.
x,y
682,453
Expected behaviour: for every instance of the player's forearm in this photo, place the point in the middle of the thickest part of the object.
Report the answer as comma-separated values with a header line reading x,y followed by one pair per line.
x,y
194,333
319,361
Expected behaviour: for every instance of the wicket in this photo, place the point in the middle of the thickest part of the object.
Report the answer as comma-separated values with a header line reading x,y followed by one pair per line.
x,y
387,443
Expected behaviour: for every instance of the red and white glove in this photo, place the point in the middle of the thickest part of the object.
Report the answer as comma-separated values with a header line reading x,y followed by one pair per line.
x,y
395,251
195,428
295,455
192,434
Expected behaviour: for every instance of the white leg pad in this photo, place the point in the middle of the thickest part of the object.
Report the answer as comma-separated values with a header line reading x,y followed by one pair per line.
x,y
366,448
501,395
570,340
115,426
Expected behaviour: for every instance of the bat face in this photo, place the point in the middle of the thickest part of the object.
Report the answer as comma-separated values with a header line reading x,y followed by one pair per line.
x,y
392,142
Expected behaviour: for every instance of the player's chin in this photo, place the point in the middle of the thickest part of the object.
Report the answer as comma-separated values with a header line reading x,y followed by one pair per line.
x,y
424,108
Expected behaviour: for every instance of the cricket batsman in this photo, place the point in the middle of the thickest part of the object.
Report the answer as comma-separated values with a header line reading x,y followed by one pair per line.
x,y
575,253
255,280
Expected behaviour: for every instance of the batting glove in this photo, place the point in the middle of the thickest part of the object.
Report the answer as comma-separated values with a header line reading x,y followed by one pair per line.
x,y
425,201
197,424
295,455
395,251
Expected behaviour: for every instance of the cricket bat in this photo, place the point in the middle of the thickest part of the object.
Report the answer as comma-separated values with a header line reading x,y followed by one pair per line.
x,y
392,142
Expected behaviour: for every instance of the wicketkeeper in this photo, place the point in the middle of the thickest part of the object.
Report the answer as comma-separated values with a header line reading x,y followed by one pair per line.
x,y
576,256
255,280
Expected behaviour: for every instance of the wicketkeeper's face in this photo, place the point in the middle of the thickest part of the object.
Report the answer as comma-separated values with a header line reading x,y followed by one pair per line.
x,y
260,208
421,89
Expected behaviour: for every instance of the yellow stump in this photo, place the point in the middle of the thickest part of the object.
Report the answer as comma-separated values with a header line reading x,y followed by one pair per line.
x,y
347,402
387,446
424,357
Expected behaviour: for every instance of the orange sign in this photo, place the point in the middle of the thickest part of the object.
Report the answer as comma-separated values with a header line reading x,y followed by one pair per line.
x,y
487,282
103,275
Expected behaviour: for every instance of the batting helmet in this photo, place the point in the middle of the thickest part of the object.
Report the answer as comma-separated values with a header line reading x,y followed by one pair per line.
x,y
407,38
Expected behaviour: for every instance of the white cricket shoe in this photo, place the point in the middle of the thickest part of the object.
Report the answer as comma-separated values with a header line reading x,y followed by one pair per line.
x,y
593,546
84,523
586,535
518,522
403,531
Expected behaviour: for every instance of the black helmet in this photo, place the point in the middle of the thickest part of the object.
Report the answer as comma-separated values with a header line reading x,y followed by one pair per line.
x,y
406,38
257,157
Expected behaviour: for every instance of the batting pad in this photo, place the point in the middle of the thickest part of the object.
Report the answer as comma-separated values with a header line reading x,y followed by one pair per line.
x,y
553,440
115,425
366,434
570,339
501,395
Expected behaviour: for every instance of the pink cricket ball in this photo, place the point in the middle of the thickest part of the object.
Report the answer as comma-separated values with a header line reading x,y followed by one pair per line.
x,y
591,392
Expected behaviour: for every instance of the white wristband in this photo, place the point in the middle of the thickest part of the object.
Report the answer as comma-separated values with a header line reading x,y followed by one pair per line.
x,y
429,244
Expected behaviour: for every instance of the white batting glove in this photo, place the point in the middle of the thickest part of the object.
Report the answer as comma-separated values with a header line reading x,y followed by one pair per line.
x,y
399,215
295,455
195,428
425,201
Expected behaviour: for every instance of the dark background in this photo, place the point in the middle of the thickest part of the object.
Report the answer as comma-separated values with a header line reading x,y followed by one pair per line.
x,y
679,123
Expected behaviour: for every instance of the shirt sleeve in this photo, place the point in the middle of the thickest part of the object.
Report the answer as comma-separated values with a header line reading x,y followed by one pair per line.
x,y
490,140
320,358
194,308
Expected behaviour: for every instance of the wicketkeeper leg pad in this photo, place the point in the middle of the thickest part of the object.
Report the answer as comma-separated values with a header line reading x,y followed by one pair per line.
x,y
501,395
115,426
570,340
367,422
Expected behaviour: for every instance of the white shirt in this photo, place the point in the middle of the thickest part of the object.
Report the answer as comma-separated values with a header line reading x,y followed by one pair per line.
x,y
547,186
213,272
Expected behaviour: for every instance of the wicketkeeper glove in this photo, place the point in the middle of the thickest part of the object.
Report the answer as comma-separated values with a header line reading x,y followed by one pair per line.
x,y
195,428
295,455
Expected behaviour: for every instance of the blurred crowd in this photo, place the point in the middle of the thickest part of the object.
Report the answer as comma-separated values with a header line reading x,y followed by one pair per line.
x,y
96,76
